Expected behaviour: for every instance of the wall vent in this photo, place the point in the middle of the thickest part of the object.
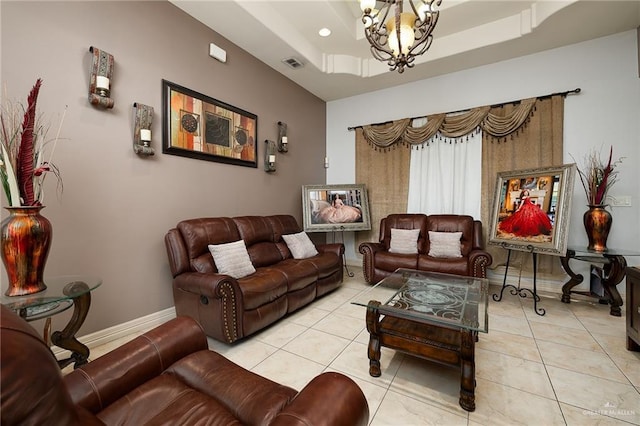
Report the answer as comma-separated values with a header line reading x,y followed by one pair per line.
x,y
293,63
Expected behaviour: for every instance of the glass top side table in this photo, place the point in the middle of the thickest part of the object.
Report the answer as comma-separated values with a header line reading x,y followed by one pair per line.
x,y
61,293
613,264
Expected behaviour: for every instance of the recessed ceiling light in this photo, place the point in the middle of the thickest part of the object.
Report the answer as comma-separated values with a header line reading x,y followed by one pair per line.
x,y
324,32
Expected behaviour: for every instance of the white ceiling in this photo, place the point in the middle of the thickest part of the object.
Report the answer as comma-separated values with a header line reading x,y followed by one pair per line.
x,y
469,33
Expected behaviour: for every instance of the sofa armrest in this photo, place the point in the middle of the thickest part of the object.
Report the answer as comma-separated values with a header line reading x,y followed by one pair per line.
x,y
205,284
347,405
99,383
337,248
479,260
368,251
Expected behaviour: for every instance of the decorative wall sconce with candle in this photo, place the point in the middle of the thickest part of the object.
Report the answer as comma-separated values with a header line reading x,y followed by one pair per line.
x,y
283,140
100,76
270,157
142,119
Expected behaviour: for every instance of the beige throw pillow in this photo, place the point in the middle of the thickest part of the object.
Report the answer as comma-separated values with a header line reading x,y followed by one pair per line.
x,y
444,244
232,259
300,245
404,241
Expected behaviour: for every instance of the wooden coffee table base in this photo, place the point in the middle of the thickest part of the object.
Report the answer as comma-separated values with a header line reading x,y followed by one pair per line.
x,y
449,346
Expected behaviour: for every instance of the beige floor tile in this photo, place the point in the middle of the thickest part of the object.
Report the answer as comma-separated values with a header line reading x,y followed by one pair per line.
x,y
498,404
575,416
556,315
596,364
615,345
340,325
606,324
509,324
354,362
307,316
432,383
288,369
247,353
629,367
397,409
617,400
317,346
510,344
566,336
279,334
518,373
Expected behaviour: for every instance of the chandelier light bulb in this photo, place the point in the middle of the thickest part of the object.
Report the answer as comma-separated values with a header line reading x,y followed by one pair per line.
x,y
371,18
424,11
407,35
367,4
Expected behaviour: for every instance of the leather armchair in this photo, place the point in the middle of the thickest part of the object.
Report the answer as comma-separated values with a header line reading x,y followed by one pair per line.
x,y
166,376
378,262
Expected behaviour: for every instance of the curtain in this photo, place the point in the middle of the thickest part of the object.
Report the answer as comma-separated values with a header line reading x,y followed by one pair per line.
x,y
536,144
445,175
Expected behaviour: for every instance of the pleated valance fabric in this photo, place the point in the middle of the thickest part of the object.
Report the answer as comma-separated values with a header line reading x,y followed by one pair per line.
x,y
449,125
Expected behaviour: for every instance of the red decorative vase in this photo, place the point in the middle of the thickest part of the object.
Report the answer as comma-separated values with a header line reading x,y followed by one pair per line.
x,y
26,238
597,223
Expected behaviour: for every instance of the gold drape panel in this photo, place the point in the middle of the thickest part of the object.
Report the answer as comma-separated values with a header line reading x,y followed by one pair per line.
x,y
515,136
537,144
451,126
386,176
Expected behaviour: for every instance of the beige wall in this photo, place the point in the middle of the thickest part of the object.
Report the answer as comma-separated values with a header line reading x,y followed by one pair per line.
x,y
116,206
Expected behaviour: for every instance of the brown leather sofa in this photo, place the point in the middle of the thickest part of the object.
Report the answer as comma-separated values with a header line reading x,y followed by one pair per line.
x,y
378,262
229,309
166,376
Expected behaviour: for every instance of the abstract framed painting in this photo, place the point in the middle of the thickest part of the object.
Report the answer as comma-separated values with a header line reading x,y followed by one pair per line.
x,y
201,127
531,209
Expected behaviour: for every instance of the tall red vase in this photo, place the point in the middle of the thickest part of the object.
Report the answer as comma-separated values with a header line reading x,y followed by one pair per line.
x,y
597,222
26,238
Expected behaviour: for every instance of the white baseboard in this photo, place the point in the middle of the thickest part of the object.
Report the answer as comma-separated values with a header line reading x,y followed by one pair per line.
x,y
110,334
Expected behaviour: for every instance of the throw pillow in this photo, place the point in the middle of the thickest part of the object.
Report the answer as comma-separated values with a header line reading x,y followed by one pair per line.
x,y
300,245
232,259
444,244
404,241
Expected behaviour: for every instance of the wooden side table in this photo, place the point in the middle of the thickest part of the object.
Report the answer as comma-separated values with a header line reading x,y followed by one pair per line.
x,y
613,264
61,293
633,309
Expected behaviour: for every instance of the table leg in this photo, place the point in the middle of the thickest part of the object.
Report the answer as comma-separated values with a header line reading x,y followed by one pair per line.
x,y
574,279
66,339
373,351
468,370
613,273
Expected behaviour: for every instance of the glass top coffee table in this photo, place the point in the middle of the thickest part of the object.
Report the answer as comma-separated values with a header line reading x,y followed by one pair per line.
x,y
432,315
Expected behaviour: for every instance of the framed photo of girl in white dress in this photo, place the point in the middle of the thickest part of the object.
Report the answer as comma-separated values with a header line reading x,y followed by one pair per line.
x,y
531,209
335,208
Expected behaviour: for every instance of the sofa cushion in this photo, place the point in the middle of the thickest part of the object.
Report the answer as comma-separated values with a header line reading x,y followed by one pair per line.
x,y
392,261
299,273
327,263
444,244
265,286
452,265
404,241
300,245
232,259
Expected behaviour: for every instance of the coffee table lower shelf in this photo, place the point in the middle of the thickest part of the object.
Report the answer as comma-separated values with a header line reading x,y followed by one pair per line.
x,y
434,342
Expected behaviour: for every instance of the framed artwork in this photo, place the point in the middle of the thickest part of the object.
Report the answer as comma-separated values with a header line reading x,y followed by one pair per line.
x,y
335,208
197,126
531,209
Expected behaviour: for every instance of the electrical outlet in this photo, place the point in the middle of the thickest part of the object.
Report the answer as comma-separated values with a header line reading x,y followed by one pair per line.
x,y
621,201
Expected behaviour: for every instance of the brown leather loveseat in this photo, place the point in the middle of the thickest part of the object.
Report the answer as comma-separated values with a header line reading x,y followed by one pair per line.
x,y
379,262
167,376
228,308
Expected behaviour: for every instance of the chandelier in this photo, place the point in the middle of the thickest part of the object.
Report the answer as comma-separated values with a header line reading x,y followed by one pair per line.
x,y
399,44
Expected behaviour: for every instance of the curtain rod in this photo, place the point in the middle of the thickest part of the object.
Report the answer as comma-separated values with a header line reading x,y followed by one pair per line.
x,y
568,92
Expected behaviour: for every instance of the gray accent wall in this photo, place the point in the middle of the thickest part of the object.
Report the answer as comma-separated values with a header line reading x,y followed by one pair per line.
x,y
116,207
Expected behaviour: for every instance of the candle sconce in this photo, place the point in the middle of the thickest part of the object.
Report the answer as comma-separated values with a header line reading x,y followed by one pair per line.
x,y
142,119
283,140
100,78
270,157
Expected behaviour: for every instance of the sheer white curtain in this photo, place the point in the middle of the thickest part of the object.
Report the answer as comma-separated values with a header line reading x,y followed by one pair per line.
x,y
445,176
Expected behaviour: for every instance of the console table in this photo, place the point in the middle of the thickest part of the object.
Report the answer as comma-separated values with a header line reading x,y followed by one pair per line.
x,y
61,293
613,264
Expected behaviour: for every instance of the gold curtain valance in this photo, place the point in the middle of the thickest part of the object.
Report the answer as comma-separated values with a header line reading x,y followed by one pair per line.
x,y
451,126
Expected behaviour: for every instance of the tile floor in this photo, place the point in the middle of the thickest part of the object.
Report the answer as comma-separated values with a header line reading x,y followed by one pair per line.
x,y
569,367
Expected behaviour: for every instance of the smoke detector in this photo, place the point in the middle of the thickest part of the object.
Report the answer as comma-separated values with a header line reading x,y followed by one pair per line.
x,y
293,63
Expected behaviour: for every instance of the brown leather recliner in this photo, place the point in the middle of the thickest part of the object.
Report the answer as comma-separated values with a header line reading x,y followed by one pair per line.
x,y
166,376
378,262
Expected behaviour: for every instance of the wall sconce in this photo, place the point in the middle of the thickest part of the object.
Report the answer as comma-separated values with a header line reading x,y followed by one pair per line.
x,y
100,76
142,118
283,140
270,157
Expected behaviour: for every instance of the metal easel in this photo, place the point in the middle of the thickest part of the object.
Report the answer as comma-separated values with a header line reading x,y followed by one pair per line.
x,y
344,258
